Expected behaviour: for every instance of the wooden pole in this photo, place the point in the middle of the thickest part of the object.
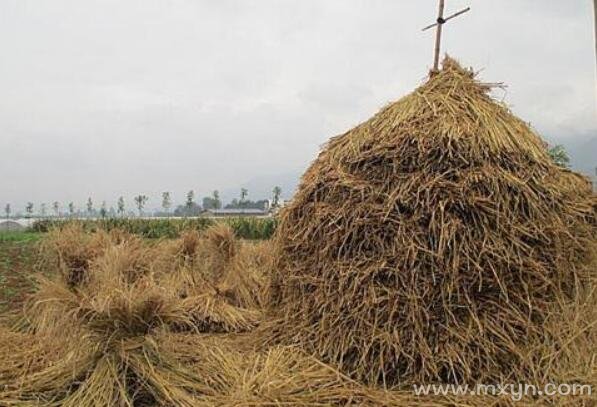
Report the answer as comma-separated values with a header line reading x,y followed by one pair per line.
x,y
438,35
438,32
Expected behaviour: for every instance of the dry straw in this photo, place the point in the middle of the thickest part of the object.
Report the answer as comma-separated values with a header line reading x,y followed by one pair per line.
x,y
432,241
100,338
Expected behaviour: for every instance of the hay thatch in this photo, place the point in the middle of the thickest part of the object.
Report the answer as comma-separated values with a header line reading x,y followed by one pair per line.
x,y
430,242
279,376
130,372
225,371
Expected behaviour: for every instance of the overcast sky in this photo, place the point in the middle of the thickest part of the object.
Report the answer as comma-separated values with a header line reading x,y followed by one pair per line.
x,y
104,98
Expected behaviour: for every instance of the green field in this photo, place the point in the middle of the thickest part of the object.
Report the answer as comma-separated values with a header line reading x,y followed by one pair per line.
x,y
17,237
252,228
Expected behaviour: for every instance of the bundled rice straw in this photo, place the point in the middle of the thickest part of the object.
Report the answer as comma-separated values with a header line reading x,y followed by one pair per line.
x,y
430,243
71,250
109,355
218,261
98,340
246,281
220,248
112,267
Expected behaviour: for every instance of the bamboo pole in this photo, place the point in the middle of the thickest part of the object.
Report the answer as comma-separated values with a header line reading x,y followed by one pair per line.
x,y
438,35
439,22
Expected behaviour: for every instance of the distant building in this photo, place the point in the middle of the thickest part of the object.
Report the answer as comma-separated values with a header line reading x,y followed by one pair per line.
x,y
223,213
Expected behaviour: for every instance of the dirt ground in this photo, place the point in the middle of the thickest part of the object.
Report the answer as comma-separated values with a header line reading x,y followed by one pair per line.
x,y
17,262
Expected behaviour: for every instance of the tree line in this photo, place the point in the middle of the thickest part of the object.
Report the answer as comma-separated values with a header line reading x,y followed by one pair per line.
x,y
189,208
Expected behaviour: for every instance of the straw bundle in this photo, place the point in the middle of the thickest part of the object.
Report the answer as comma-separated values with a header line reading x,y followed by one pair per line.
x,y
98,340
430,242
219,249
218,261
208,254
246,281
222,240
109,365
108,269
210,311
189,244
71,250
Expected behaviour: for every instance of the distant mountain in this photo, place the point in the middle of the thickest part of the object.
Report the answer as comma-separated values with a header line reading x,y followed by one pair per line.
x,y
583,156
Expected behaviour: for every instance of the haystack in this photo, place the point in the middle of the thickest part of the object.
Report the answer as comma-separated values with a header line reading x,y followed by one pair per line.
x,y
430,242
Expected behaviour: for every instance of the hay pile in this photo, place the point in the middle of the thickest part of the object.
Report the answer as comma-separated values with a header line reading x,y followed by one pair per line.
x,y
159,324
432,242
98,331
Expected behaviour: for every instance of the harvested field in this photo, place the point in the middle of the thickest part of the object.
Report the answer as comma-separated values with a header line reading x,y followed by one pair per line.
x,y
94,331
128,334
17,257
434,244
